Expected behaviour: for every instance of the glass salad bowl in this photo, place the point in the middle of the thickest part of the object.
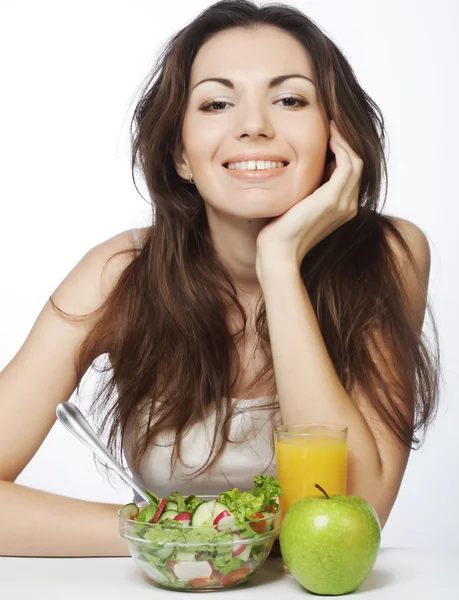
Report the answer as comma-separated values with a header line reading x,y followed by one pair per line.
x,y
203,550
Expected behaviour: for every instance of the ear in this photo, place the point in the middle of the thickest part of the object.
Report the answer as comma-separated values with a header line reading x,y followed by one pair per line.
x,y
182,165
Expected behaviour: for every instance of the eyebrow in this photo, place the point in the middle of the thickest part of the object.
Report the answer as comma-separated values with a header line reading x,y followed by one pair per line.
x,y
272,82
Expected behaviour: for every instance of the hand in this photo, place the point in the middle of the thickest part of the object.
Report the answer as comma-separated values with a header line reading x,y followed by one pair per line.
x,y
291,235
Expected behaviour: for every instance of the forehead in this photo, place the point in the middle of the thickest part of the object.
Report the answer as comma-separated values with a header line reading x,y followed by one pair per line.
x,y
238,50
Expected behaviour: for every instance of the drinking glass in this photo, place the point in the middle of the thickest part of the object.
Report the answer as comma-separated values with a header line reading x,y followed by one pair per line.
x,y
307,454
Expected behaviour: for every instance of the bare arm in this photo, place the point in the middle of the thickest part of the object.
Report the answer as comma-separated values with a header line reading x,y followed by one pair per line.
x,y
377,461
37,379
37,523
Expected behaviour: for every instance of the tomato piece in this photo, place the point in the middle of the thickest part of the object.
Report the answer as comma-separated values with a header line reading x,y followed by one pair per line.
x,y
271,509
235,576
216,575
199,582
169,564
259,526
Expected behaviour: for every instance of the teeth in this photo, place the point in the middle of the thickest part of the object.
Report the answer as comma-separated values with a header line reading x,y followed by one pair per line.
x,y
256,165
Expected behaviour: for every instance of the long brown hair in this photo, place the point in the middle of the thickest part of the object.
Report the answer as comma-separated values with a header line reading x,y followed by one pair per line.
x,y
166,317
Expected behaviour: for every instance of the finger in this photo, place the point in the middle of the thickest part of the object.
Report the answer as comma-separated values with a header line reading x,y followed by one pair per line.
x,y
344,168
345,185
350,193
328,171
357,162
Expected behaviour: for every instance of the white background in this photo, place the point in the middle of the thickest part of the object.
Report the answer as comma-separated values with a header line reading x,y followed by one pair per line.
x,y
70,73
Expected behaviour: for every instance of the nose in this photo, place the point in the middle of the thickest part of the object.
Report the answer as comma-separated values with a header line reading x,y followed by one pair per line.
x,y
254,121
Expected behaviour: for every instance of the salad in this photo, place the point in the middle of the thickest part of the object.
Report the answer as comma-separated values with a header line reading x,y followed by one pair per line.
x,y
187,542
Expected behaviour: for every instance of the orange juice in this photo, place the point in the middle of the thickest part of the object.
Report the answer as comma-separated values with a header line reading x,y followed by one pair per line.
x,y
304,460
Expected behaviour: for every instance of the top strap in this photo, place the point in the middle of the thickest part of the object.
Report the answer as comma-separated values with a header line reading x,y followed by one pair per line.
x,y
136,236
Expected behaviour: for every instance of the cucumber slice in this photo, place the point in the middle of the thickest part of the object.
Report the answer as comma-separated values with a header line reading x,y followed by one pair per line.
x,y
244,556
218,508
171,506
167,514
185,556
129,510
268,522
163,553
211,505
201,515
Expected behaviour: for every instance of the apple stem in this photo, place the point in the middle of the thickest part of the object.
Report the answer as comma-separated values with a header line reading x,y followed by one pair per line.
x,y
322,490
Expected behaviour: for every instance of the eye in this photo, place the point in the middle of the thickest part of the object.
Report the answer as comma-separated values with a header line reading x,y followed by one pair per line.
x,y
300,101
207,106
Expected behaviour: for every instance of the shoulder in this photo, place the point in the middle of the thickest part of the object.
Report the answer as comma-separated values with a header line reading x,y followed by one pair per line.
x,y
414,270
115,254
141,235
90,282
417,242
111,257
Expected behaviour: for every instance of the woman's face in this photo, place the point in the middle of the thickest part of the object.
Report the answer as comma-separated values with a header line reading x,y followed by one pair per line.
x,y
253,117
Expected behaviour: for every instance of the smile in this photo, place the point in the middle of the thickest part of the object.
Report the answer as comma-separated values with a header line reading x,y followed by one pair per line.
x,y
256,174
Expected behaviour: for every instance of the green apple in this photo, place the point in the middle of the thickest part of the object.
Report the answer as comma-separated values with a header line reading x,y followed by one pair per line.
x,y
330,543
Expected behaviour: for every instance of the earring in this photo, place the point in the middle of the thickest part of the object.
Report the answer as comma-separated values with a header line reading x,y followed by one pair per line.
x,y
191,178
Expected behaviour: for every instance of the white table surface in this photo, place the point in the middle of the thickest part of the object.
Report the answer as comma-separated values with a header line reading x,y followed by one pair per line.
x,y
399,573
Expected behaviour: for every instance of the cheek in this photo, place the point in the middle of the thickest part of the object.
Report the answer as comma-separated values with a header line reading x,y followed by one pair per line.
x,y
311,170
310,142
200,137
315,157
194,140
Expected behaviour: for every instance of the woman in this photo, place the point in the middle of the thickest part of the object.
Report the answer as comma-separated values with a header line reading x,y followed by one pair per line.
x,y
297,245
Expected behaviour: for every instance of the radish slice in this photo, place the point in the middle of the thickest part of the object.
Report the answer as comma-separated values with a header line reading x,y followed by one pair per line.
x,y
238,548
186,570
224,519
184,518
161,507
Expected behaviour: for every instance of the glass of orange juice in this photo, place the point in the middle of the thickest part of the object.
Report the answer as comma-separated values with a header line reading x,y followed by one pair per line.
x,y
307,454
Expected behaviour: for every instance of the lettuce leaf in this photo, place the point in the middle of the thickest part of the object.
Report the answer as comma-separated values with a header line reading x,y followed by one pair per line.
x,y
154,560
192,503
268,487
147,514
154,500
179,499
161,535
200,535
246,531
231,565
258,551
244,504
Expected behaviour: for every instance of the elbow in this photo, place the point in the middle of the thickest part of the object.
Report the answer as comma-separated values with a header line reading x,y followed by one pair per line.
x,y
383,516
382,499
380,493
